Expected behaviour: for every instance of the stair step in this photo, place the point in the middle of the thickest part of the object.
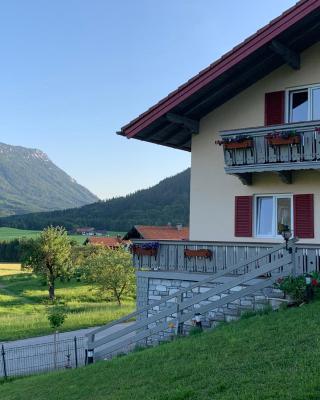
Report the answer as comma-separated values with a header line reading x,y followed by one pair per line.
x,y
276,295
231,312
246,307
265,301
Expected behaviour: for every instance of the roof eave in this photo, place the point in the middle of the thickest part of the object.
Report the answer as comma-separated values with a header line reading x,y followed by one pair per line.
x,y
140,127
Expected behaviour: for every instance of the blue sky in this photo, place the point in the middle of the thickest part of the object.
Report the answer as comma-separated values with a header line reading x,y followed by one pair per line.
x,y
74,71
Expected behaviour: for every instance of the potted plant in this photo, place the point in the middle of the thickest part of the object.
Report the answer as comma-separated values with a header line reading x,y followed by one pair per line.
x,y
236,142
145,249
283,138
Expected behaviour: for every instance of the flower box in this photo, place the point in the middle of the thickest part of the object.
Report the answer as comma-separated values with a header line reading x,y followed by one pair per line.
x,y
203,253
279,141
138,251
146,249
245,144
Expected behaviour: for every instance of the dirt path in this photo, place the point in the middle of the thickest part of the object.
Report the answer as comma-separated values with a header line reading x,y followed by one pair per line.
x,y
6,291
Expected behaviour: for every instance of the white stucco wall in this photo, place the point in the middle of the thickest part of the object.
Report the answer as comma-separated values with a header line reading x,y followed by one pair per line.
x,y
212,190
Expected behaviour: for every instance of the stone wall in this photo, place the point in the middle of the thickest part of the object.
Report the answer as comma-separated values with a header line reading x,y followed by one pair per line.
x,y
154,286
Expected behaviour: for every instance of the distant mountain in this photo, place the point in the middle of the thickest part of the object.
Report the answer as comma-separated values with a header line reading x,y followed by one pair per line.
x,y
168,201
30,182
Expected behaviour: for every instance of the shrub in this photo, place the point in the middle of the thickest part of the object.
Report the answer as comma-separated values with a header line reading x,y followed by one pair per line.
x,y
297,288
56,315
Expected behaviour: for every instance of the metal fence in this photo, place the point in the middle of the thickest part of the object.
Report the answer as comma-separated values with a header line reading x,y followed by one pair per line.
x,y
37,358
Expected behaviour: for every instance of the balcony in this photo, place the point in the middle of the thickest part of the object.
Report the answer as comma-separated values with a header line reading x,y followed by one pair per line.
x,y
213,257
280,149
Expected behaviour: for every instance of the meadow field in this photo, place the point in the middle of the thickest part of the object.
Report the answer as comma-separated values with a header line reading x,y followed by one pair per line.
x,y
24,298
7,234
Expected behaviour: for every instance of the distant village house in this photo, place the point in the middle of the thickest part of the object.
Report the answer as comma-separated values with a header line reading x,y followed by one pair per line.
x,y
110,242
85,231
167,232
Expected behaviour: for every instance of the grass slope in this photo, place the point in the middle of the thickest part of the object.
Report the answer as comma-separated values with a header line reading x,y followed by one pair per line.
x,y
274,356
23,300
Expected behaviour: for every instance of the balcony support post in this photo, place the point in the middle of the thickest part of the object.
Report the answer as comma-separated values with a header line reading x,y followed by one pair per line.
x,y
285,176
245,178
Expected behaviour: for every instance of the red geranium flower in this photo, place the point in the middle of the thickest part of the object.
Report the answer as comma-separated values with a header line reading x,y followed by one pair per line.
x,y
314,282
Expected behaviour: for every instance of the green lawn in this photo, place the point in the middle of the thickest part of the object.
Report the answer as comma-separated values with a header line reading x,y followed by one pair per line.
x,y
265,357
23,299
12,233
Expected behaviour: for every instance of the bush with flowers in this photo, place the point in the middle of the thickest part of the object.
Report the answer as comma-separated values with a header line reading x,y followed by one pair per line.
x,y
299,288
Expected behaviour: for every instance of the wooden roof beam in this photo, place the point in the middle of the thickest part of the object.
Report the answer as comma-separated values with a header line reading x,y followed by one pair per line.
x,y
191,125
185,140
227,86
288,55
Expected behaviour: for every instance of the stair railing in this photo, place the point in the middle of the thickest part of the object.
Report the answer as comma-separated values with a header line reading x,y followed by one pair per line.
x,y
146,325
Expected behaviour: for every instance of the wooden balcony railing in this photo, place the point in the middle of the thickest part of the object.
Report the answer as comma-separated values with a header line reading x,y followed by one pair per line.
x,y
280,149
185,256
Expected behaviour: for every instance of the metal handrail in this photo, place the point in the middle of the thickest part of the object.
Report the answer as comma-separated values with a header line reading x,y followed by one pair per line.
x,y
143,334
199,283
140,324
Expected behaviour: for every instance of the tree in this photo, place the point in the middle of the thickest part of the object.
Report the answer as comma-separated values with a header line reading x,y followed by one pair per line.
x,y
50,256
111,270
56,316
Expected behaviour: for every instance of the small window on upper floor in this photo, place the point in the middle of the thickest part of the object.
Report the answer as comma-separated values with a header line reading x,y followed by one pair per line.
x,y
304,104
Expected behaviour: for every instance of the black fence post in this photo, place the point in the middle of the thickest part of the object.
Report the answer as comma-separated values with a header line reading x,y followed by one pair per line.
x,y
3,354
76,351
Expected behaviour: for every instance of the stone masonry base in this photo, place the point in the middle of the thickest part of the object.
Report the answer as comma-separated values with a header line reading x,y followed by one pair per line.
x,y
153,286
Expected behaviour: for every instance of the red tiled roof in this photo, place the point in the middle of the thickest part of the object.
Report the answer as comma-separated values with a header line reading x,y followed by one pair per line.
x,y
162,232
228,60
105,241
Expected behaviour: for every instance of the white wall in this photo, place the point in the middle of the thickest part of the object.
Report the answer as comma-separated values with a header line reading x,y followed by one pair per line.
x,y
212,190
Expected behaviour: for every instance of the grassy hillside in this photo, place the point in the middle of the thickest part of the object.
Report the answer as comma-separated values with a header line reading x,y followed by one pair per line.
x,y
168,201
274,356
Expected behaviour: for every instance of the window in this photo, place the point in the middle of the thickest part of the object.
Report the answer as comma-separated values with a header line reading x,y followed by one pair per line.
x,y
304,104
272,213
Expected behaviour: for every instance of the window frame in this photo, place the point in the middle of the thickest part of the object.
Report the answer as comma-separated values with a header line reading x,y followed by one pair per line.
x,y
274,216
288,92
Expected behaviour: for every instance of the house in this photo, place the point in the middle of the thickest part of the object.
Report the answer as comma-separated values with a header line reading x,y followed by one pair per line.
x,y
158,232
251,121
267,85
110,242
85,231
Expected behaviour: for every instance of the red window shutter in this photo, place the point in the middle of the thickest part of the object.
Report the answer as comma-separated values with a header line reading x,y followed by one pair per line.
x,y
243,216
303,216
274,108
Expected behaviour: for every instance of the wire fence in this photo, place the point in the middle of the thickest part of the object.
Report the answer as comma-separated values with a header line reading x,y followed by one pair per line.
x,y
37,358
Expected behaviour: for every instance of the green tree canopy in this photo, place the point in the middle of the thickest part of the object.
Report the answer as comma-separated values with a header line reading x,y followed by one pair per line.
x,y
112,271
50,256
